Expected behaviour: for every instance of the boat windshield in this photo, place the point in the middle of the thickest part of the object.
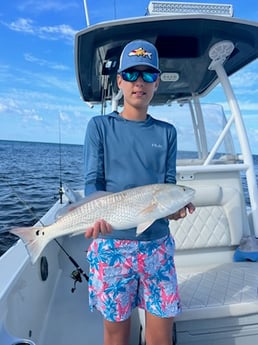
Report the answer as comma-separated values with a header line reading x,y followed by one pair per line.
x,y
201,132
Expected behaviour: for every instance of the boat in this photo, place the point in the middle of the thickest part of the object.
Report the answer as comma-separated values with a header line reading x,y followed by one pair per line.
x,y
46,303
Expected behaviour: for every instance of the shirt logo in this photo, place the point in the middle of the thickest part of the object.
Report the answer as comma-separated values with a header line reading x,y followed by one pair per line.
x,y
157,146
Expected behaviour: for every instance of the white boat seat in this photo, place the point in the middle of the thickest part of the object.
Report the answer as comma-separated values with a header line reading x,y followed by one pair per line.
x,y
211,285
221,291
218,220
215,293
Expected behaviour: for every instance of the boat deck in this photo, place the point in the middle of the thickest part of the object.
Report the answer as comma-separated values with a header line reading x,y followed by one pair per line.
x,y
209,293
227,290
218,301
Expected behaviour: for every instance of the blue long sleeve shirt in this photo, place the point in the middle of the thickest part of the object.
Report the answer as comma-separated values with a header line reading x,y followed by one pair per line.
x,y
120,154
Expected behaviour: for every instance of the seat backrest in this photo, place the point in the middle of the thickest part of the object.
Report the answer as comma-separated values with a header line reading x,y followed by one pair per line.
x,y
219,219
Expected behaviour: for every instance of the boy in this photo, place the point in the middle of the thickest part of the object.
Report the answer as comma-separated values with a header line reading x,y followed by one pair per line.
x,y
125,150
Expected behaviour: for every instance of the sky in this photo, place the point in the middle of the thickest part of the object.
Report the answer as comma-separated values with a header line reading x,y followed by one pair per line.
x,y
39,97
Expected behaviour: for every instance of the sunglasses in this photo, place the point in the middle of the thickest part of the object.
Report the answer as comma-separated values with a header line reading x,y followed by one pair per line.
x,y
133,74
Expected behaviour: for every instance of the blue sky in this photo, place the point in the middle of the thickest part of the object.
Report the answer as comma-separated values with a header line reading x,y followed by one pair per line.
x,y
38,89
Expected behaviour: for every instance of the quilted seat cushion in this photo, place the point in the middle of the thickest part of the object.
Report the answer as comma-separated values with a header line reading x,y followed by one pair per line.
x,y
207,227
219,220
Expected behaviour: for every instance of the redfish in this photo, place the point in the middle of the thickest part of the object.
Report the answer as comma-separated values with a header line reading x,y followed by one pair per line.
x,y
136,207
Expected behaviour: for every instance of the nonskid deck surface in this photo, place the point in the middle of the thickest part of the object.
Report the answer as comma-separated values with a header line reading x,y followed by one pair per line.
x,y
221,291
212,291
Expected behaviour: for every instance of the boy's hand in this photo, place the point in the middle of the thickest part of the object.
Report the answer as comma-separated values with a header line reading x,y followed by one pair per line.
x,y
182,213
101,226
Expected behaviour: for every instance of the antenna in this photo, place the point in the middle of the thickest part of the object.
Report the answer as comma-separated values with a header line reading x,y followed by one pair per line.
x,y
86,12
115,14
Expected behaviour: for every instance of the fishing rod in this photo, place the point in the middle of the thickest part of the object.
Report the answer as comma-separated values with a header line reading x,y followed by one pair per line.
x,y
61,192
78,272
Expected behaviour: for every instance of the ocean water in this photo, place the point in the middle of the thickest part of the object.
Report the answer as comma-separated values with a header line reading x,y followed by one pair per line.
x,y
30,175
30,180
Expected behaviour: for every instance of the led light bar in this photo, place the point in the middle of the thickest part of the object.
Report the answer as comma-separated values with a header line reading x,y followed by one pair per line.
x,y
175,8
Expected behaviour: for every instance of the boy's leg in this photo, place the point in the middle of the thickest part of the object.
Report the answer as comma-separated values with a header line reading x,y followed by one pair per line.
x,y
116,333
158,292
159,331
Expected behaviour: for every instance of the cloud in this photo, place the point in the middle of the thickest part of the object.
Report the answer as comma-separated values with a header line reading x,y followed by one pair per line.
x,y
31,115
21,25
9,105
52,33
42,62
3,108
246,79
64,117
56,32
30,105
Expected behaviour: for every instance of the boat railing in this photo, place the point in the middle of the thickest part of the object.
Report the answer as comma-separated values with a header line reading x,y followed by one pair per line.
x,y
219,53
194,169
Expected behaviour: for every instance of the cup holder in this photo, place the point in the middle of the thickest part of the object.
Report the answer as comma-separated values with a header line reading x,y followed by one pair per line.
x,y
23,342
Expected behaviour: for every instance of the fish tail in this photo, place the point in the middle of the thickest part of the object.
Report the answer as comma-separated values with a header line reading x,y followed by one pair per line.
x,y
34,239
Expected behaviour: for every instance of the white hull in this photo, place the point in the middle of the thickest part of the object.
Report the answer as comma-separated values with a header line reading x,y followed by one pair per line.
x,y
47,312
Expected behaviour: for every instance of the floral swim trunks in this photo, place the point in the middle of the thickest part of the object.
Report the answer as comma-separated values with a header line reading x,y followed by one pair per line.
x,y
125,274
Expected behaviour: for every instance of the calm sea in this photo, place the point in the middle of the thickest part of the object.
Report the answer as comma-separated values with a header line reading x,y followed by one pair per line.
x,y
30,178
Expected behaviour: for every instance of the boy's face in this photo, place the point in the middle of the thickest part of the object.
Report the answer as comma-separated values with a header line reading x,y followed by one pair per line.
x,y
137,93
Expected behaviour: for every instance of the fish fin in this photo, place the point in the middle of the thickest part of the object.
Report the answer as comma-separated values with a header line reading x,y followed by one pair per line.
x,y
72,196
33,238
96,195
143,226
70,207
149,208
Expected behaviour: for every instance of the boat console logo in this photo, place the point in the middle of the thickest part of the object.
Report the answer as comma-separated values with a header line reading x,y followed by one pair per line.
x,y
140,52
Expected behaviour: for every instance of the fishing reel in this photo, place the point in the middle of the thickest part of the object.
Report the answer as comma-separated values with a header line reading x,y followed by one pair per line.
x,y
76,276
